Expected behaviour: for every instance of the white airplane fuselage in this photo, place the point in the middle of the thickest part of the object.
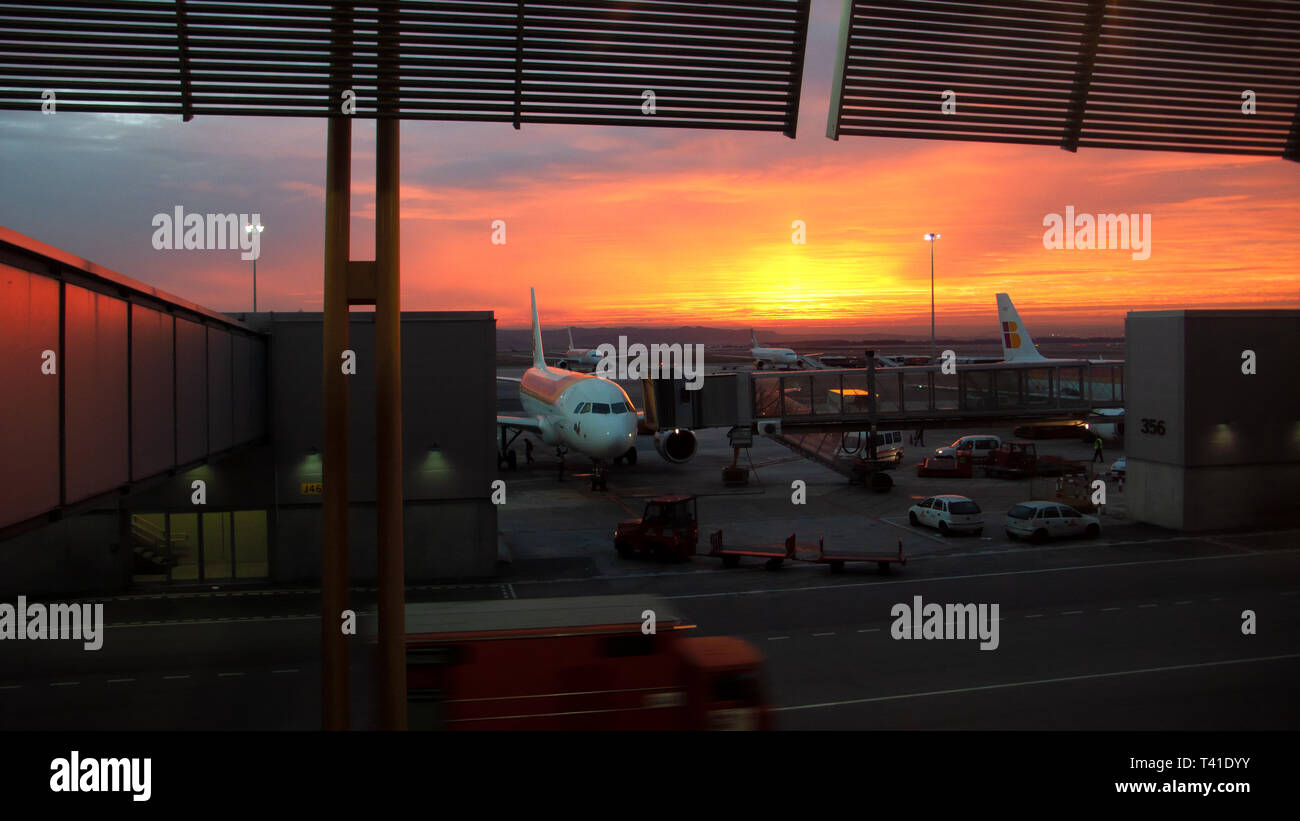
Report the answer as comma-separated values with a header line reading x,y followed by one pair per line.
x,y
774,357
580,412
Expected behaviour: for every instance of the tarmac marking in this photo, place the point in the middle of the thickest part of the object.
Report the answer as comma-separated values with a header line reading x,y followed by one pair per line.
x,y
64,683
1071,612
1182,602
777,638
819,635
1035,616
119,680
291,670
1148,605
169,678
869,630
1108,609
11,687
960,690
227,675
931,580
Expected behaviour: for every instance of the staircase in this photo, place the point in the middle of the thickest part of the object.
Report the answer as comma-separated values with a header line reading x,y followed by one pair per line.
x,y
151,548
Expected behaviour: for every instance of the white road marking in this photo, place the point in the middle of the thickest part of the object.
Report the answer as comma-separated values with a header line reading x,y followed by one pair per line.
x,y
119,680
64,683
169,678
1182,602
1109,609
819,635
1148,605
1059,680
226,675
869,630
1071,612
965,577
777,638
11,687
1035,616
291,670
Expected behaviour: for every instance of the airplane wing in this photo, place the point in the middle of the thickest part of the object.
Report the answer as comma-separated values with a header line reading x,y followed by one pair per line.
x,y
528,423
514,379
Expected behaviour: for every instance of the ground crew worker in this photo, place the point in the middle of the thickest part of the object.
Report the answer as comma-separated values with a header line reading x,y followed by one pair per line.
x,y
1096,451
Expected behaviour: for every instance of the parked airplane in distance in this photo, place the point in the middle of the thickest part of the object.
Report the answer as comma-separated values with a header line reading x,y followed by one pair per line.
x,y
576,357
773,357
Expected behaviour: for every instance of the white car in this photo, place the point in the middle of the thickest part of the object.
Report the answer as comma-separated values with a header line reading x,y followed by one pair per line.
x,y
975,446
1119,468
948,513
1040,521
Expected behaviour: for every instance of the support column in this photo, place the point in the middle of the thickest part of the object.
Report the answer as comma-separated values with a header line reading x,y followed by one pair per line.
x,y
334,393
334,478
388,388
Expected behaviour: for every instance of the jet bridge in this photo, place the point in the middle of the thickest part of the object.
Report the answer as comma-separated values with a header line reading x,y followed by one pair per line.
x,y
857,398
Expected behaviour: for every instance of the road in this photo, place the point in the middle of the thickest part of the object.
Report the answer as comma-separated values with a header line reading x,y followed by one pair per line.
x,y
1129,634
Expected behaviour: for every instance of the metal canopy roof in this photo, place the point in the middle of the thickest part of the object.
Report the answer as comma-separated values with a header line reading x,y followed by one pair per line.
x,y
1141,74
732,64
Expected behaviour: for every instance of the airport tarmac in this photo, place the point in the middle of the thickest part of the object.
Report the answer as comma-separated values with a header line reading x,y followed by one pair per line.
x,y
1141,628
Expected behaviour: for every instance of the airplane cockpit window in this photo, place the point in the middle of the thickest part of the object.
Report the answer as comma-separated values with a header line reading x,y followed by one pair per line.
x,y
583,407
599,407
619,407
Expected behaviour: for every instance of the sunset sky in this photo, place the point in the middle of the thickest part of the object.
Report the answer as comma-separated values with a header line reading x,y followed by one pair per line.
x,y
668,226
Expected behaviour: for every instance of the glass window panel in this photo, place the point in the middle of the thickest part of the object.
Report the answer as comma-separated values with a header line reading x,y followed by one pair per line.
x,y
183,537
218,541
250,545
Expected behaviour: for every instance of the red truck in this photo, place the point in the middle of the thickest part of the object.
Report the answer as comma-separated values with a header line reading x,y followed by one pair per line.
x,y
576,664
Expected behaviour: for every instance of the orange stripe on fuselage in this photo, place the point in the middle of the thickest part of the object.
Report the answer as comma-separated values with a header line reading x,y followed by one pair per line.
x,y
547,386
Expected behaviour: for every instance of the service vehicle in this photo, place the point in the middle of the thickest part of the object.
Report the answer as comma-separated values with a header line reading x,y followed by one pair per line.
x,y
1040,521
958,466
576,664
668,530
949,514
776,555
979,447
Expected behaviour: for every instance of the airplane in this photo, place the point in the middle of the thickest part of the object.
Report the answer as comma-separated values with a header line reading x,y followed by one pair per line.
x,y
577,357
776,357
582,412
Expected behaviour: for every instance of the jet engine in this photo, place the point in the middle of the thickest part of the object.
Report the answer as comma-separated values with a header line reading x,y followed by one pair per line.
x,y
676,445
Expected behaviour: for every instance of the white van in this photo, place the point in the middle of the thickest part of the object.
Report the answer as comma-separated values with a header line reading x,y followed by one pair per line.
x,y
889,444
978,447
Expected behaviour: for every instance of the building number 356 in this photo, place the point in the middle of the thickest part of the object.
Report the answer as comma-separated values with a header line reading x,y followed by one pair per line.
x,y
1156,426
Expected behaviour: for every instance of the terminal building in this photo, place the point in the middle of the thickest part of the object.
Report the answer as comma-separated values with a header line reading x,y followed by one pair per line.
x,y
119,398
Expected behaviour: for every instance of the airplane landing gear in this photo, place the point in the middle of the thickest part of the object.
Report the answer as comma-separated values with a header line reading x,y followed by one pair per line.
x,y
559,454
599,475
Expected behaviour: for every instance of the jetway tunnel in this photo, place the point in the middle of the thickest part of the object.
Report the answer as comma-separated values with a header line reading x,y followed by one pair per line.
x,y
110,384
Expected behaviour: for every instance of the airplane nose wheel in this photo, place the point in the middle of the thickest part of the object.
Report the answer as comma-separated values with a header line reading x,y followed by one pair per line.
x,y
599,475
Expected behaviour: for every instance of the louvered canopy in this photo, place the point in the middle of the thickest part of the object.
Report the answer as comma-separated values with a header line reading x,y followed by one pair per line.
x,y
1140,74
733,65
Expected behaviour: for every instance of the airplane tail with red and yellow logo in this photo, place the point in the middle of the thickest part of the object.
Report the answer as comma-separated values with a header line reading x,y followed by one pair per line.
x,y
1017,346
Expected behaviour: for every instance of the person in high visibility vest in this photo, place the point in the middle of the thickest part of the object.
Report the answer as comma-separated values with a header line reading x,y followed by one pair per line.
x,y
1096,451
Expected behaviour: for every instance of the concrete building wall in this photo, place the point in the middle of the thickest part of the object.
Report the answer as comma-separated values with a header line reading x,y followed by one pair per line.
x,y
1229,453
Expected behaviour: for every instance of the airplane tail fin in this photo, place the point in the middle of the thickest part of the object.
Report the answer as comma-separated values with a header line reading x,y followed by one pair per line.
x,y
539,356
571,339
1017,346
753,337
